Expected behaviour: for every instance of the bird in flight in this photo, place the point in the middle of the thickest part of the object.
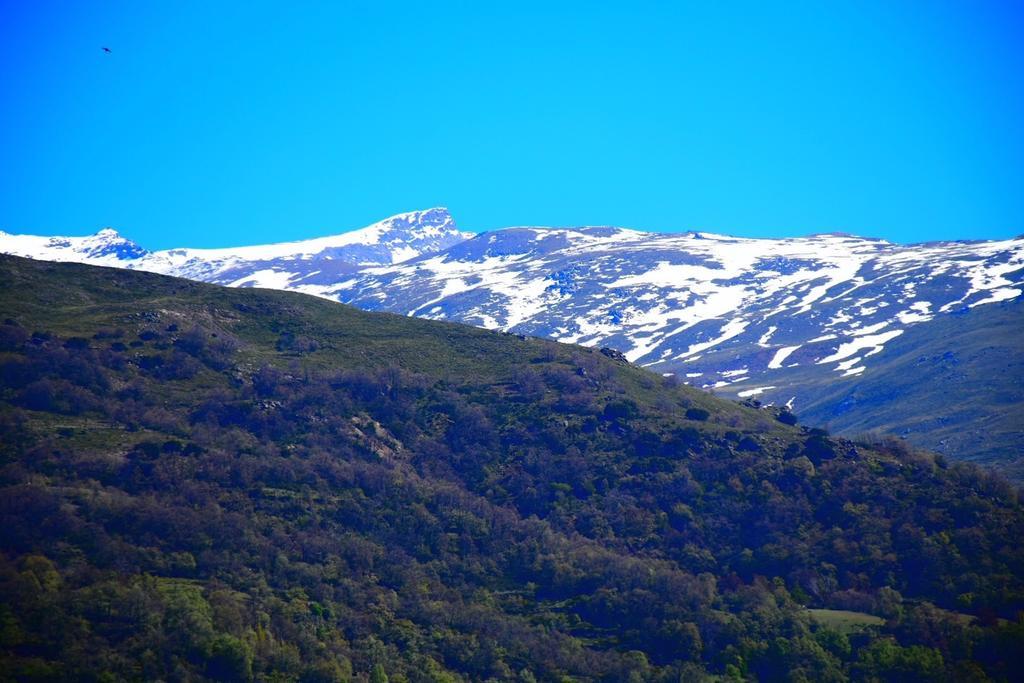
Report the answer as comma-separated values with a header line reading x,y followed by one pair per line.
x,y
106,49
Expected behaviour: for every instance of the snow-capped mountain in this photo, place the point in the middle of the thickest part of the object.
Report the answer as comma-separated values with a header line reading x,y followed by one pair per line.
x,y
717,310
287,265
105,248
776,319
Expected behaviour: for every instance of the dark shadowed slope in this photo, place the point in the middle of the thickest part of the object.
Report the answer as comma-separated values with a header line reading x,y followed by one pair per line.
x,y
200,482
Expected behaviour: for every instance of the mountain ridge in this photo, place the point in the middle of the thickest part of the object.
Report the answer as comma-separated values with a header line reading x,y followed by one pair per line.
x,y
734,315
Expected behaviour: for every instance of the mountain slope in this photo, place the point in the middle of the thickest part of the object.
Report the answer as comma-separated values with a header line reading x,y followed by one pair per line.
x,y
953,386
805,322
201,482
790,321
667,301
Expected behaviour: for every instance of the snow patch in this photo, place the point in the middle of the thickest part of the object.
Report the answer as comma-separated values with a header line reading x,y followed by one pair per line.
x,y
874,342
780,356
763,341
756,391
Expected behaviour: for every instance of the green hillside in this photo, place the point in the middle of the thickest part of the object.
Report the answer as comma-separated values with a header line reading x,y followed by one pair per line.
x,y
235,484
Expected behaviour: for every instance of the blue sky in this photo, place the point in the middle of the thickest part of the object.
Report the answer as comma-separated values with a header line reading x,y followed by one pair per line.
x,y
211,124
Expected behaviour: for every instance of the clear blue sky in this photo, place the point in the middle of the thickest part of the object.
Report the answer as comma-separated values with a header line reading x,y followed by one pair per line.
x,y
211,124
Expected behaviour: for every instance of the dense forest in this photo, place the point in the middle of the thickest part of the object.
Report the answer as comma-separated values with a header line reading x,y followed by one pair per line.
x,y
200,483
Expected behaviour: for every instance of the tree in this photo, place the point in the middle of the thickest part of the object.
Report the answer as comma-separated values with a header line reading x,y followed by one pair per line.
x,y
230,659
378,674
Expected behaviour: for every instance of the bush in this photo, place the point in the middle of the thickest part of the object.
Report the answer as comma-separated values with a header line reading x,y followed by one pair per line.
x,y
698,414
12,337
819,448
56,396
749,444
289,342
786,417
620,411
214,350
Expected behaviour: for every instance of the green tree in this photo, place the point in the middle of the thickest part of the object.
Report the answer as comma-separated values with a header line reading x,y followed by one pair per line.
x,y
378,674
230,659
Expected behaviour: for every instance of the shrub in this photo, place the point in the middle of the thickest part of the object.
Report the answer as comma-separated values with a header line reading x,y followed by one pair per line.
x,y
786,417
56,396
289,342
749,444
620,411
12,337
698,414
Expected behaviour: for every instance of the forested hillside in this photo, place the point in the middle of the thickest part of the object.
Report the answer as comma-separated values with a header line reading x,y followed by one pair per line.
x,y
236,484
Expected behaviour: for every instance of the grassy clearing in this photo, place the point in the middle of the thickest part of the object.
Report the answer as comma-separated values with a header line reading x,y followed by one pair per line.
x,y
845,621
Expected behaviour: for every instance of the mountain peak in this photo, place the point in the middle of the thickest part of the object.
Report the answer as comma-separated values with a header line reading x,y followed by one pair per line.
x,y
435,212
438,218
109,242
